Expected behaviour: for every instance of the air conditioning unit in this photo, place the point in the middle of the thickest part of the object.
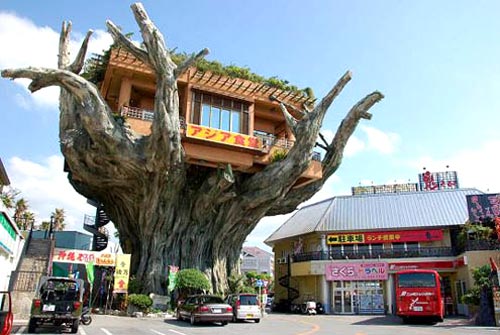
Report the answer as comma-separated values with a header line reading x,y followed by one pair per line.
x,y
281,260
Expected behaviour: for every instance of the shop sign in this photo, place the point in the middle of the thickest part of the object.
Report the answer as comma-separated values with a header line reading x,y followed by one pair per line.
x,y
483,207
122,272
423,265
424,235
7,234
357,271
76,256
222,136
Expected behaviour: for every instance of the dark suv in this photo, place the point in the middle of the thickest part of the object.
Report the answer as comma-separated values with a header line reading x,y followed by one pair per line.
x,y
58,301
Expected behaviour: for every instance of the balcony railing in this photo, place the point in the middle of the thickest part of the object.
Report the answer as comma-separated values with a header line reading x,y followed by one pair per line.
x,y
388,253
269,140
137,113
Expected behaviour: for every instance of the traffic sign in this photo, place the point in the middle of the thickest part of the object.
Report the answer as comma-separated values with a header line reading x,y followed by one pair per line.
x,y
259,283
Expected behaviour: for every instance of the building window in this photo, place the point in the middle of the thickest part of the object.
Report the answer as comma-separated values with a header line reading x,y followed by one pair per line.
x,y
377,249
220,113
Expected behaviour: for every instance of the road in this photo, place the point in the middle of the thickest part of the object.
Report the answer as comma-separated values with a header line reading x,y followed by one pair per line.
x,y
272,324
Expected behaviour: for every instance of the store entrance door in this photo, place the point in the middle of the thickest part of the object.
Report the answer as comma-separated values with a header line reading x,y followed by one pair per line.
x,y
343,298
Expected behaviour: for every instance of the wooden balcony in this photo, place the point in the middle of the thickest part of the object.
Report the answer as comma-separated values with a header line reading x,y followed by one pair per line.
x,y
212,147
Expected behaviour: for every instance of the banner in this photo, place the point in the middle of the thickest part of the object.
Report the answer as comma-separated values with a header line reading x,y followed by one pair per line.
x,y
423,235
172,277
89,267
76,256
122,272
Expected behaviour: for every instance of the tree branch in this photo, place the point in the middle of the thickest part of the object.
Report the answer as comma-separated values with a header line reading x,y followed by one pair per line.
x,y
324,141
124,41
79,61
334,92
189,62
333,156
292,107
290,120
63,57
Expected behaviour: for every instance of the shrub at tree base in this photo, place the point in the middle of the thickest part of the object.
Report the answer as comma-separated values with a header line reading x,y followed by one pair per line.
x,y
191,281
140,301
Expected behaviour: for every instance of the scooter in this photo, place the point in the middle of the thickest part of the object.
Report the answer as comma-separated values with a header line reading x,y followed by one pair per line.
x,y
309,308
319,308
85,318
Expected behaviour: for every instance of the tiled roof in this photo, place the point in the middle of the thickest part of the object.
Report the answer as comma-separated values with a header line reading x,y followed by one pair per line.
x,y
256,251
379,211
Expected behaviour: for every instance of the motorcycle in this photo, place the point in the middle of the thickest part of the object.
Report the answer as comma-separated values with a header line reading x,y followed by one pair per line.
x,y
86,319
309,308
319,308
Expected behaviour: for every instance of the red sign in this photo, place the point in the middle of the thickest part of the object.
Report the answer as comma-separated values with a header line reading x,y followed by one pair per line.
x,y
386,237
356,271
422,265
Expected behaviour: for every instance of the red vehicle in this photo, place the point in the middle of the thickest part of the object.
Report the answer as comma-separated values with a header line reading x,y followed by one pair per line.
x,y
6,317
419,295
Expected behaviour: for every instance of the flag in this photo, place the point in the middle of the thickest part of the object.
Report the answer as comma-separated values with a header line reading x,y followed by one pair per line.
x,y
172,277
90,272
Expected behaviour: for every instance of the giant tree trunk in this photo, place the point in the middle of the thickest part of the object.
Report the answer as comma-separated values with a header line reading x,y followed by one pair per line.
x,y
166,211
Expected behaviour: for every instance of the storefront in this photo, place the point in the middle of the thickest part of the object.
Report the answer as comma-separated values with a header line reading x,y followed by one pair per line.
x,y
358,287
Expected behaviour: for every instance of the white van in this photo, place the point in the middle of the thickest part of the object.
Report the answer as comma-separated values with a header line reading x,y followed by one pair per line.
x,y
246,306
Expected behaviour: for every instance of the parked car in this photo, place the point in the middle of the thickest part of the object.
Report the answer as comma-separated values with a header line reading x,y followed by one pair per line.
x,y
58,301
6,316
204,308
246,306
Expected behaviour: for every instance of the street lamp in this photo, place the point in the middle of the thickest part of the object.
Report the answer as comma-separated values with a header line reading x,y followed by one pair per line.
x,y
51,226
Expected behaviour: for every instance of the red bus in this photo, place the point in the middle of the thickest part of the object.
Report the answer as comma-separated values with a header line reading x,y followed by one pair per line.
x,y
419,295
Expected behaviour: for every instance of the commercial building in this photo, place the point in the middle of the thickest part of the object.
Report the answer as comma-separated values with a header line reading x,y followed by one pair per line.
x,y
254,259
11,240
344,251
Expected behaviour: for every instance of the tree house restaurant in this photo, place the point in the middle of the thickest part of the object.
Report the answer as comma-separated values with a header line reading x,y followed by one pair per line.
x,y
223,120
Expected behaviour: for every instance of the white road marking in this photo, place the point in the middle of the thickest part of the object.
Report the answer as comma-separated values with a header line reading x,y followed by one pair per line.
x,y
107,332
157,332
82,332
20,331
175,331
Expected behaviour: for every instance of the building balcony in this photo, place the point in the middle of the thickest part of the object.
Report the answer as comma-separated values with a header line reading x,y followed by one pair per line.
x,y
389,253
211,147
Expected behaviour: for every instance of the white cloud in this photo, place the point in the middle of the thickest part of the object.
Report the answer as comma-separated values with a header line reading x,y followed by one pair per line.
x,y
383,142
476,167
25,44
45,186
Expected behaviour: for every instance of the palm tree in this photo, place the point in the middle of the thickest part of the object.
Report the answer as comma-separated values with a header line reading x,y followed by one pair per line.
x,y
21,209
9,198
59,217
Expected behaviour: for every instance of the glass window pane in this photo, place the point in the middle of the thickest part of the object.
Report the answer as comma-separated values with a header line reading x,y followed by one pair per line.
x,y
205,115
235,122
416,280
225,120
215,118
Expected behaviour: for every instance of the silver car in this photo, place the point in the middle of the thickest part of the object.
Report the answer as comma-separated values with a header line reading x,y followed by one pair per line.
x,y
246,306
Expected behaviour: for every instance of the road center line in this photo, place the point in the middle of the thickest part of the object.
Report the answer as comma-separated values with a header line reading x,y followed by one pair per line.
x,y
175,331
107,332
314,329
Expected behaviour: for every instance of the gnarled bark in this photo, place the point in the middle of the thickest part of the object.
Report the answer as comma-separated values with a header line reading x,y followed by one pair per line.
x,y
167,211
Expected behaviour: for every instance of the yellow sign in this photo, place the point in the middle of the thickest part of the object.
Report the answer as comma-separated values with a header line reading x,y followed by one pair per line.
x,y
222,136
122,272
345,239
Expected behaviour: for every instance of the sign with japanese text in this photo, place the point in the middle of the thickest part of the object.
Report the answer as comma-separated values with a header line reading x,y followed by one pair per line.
x,y
172,277
7,234
357,271
83,257
423,265
483,207
431,181
122,272
381,189
222,136
386,237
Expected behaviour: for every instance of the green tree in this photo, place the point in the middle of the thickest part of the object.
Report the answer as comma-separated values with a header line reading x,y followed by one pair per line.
x,y
22,216
9,198
191,281
59,216
481,280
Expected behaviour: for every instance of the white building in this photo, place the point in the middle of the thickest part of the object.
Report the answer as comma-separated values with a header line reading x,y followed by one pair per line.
x,y
11,240
256,260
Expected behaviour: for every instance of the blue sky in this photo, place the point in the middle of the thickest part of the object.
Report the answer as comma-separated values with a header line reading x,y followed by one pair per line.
x,y
437,63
